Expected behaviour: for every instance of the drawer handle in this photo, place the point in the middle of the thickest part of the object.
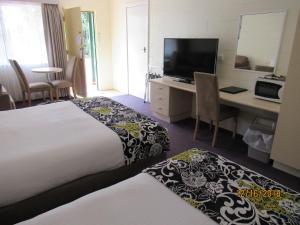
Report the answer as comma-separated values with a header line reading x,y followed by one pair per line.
x,y
160,88
159,108
160,99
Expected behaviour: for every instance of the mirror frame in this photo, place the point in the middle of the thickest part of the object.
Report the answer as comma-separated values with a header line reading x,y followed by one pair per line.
x,y
280,42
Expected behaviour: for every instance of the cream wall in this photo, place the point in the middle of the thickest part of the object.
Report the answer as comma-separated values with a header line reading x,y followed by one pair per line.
x,y
199,18
103,35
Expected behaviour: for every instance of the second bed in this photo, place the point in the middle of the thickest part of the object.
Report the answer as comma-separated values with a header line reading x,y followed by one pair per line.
x,y
195,187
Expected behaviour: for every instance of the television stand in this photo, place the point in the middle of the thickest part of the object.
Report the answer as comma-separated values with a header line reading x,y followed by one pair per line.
x,y
187,81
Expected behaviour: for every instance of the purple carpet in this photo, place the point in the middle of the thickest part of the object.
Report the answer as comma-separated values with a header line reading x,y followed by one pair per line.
x,y
181,135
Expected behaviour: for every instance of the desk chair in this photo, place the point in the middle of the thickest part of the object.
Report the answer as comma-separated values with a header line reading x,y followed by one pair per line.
x,y
28,88
69,82
208,104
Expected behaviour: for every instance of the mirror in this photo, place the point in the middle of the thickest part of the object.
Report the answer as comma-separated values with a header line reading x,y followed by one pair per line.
x,y
259,41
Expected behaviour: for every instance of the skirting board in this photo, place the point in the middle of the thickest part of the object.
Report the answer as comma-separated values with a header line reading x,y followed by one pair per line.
x,y
286,169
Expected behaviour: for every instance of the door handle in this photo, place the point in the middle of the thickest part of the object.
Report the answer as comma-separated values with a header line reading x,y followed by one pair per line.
x,y
145,49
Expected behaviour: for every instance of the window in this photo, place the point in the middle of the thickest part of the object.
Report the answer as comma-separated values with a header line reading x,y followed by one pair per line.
x,y
23,34
21,38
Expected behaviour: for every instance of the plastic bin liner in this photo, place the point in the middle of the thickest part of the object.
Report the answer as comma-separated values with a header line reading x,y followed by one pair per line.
x,y
259,140
260,135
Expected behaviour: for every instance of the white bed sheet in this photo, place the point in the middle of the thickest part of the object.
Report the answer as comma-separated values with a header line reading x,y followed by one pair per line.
x,y
45,146
138,200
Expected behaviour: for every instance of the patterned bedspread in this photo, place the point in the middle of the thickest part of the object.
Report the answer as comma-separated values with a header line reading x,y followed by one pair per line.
x,y
141,136
227,192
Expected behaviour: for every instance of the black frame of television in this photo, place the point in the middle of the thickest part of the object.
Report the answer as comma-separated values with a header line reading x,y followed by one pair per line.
x,y
189,76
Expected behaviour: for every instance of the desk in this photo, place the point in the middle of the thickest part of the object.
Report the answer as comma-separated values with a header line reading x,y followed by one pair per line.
x,y
171,100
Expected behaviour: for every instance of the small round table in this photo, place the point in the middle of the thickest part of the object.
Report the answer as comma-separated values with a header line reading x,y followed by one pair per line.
x,y
47,70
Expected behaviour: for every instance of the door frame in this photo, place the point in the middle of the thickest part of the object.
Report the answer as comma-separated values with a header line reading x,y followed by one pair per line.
x,y
96,48
131,5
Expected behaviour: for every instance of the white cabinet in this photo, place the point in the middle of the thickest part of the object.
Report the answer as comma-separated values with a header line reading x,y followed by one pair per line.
x,y
160,96
168,103
286,147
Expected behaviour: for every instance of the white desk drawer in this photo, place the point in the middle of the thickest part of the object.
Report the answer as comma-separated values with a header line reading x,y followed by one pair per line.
x,y
160,109
159,90
160,101
160,98
160,106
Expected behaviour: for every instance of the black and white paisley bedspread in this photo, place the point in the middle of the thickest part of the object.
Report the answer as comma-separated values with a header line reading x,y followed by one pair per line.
x,y
141,136
213,185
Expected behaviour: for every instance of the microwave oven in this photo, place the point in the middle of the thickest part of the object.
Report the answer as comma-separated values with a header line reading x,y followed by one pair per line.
x,y
269,89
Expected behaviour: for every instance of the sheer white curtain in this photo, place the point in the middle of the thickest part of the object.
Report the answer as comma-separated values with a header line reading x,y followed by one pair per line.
x,y
21,38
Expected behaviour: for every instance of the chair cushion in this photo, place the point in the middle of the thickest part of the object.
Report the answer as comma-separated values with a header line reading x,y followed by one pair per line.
x,y
61,83
39,85
227,112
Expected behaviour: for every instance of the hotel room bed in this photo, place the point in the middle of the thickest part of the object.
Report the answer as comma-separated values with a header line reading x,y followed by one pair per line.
x,y
69,149
194,188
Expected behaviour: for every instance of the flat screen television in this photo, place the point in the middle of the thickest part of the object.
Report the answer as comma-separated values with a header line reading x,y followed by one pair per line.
x,y
183,57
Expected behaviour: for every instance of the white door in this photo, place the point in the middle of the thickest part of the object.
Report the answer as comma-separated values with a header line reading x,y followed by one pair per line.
x,y
137,47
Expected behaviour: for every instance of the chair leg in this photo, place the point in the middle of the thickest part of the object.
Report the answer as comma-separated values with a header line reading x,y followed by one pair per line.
x,y
211,125
74,93
44,98
235,123
70,89
51,94
24,97
196,128
57,94
215,134
29,98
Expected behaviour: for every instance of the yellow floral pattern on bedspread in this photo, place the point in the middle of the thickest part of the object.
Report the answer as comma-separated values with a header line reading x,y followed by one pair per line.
x,y
141,136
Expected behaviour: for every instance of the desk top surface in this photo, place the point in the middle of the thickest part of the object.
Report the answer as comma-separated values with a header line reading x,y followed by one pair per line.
x,y
244,98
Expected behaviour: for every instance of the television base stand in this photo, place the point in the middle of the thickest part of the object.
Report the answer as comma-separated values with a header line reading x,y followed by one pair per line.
x,y
187,81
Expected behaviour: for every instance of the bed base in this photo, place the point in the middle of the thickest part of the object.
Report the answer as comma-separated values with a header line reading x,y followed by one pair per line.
x,y
71,191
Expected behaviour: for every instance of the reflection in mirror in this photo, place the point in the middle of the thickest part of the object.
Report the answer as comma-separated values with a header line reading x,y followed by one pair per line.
x,y
259,41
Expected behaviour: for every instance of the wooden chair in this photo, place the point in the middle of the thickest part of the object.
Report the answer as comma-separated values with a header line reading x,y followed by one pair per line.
x,y
6,100
69,82
28,88
208,104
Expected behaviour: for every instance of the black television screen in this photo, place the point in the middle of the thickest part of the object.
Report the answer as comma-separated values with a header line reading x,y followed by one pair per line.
x,y
183,57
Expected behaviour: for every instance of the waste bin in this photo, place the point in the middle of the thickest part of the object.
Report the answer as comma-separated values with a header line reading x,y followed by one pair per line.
x,y
259,138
